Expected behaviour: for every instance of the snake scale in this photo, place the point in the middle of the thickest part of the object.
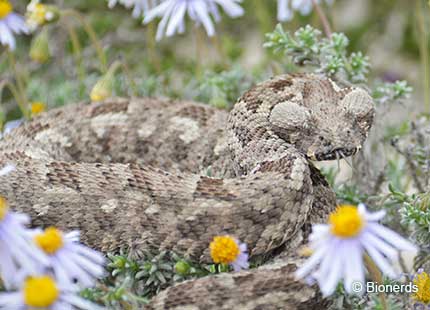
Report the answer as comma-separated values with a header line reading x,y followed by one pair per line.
x,y
148,173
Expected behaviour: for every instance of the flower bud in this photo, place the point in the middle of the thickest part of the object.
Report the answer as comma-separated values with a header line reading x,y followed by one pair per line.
x,y
39,51
182,268
103,88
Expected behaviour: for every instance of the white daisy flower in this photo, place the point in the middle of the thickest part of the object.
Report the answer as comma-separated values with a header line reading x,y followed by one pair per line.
x,y
17,252
286,8
10,24
69,259
339,246
43,292
228,250
200,11
139,6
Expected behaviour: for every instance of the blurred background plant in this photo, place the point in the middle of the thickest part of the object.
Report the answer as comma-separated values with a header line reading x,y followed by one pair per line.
x,y
88,50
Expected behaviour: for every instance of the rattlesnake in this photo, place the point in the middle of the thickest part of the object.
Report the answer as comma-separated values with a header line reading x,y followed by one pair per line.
x,y
163,174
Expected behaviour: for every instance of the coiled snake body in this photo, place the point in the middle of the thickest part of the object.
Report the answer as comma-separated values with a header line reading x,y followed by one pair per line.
x,y
160,174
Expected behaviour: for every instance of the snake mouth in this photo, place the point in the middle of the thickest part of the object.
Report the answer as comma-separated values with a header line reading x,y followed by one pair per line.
x,y
337,153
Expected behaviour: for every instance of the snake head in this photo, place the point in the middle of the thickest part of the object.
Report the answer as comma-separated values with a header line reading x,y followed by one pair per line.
x,y
324,122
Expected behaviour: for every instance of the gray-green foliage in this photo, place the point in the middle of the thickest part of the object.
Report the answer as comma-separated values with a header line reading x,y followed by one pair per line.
x,y
392,92
131,282
330,56
415,213
327,55
220,89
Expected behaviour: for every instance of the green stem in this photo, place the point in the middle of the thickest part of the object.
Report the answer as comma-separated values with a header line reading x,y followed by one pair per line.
x,y
20,91
199,49
92,35
263,16
424,53
77,52
323,19
130,79
150,38
377,277
15,93
114,67
220,51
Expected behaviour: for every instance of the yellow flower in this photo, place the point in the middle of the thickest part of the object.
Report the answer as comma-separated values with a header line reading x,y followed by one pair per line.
x,y
227,250
346,221
40,292
37,107
5,8
50,241
224,250
422,281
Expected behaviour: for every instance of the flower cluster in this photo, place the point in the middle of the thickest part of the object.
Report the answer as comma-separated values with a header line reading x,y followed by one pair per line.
x,y
340,246
43,269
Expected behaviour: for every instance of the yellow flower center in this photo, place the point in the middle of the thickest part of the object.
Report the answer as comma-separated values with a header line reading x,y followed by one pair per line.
x,y
346,222
3,208
40,292
37,108
422,281
5,8
50,241
224,250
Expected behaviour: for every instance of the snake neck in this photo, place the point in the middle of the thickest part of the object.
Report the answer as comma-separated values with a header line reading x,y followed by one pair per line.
x,y
250,138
